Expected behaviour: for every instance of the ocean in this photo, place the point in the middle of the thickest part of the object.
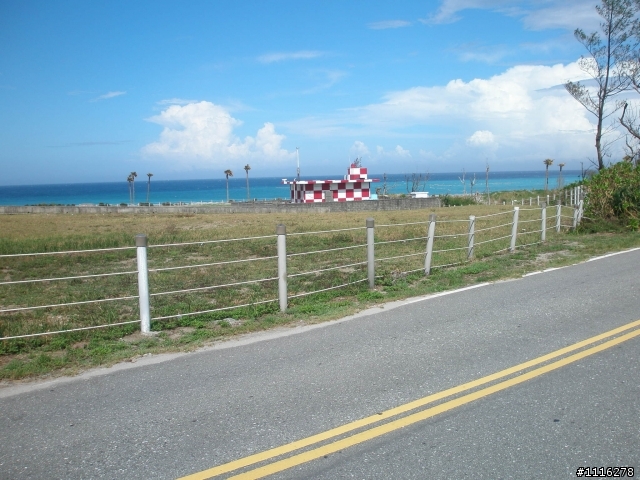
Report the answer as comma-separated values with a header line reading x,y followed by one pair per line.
x,y
265,188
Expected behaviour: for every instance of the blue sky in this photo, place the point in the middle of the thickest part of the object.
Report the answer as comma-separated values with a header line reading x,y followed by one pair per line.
x,y
90,91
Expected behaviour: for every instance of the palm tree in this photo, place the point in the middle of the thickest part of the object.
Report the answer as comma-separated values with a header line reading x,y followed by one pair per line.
x,y
548,162
133,187
247,167
149,185
228,173
560,179
129,182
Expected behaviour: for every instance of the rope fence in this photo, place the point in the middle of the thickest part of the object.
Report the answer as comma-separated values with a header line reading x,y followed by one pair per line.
x,y
457,242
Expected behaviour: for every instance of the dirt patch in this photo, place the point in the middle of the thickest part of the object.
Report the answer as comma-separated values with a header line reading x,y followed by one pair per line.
x,y
574,244
176,333
546,257
135,337
232,321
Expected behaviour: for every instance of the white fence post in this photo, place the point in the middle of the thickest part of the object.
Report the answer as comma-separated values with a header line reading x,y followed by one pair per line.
x,y
430,234
281,231
547,200
538,204
514,229
580,210
558,217
575,218
371,262
143,284
543,233
472,230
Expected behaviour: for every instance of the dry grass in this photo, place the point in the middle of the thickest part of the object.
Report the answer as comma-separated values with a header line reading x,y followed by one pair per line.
x,y
33,233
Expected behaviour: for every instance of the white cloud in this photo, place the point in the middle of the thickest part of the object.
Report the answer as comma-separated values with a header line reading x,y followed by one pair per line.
x,y
397,152
176,101
481,53
519,98
328,79
282,56
358,149
385,24
448,11
108,95
401,152
201,134
481,138
535,14
525,107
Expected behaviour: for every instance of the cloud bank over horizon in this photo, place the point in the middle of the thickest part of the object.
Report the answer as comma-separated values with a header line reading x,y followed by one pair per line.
x,y
201,135
520,114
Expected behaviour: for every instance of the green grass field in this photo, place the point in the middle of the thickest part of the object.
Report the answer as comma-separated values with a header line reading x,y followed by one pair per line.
x,y
70,352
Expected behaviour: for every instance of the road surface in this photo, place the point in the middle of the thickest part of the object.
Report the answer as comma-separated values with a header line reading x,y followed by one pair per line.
x,y
530,378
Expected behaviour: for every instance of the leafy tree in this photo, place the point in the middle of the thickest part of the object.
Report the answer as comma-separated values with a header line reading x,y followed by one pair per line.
x,y
608,63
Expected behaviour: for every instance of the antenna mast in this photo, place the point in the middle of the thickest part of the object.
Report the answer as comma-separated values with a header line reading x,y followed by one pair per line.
x,y
298,158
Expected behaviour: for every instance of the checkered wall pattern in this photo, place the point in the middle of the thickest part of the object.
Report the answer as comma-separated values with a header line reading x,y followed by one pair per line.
x,y
354,187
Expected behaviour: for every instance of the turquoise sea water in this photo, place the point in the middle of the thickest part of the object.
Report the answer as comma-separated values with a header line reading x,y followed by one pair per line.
x,y
214,190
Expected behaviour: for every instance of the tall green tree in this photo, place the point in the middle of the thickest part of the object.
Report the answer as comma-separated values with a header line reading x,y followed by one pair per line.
x,y
133,186
608,63
560,179
228,173
548,162
130,182
149,185
247,167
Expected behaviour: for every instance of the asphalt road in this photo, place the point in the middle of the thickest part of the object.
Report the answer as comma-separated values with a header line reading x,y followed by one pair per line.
x,y
167,419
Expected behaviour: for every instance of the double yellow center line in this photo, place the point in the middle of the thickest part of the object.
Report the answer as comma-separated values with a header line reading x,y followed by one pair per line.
x,y
596,344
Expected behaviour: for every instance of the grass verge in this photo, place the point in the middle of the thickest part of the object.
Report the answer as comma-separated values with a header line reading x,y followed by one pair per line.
x,y
68,354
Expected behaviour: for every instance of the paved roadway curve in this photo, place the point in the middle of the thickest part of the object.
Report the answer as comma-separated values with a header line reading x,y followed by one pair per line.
x,y
195,411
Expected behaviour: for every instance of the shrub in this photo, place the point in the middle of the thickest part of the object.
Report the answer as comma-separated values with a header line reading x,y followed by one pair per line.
x,y
450,201
615,193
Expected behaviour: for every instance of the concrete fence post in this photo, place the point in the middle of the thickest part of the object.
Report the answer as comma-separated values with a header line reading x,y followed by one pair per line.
x,y
538,201
430,234
580,210
530,201
514,229
543,233
472,230
371,261
575,218
281,231
547,203
558,217
143,284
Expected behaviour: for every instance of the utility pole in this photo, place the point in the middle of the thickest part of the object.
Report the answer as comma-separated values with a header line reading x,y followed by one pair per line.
x,y
298,169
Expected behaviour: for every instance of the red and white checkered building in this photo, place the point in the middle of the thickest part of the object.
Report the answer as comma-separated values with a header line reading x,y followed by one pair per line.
x,y
354,187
